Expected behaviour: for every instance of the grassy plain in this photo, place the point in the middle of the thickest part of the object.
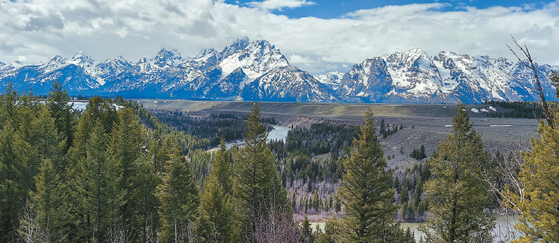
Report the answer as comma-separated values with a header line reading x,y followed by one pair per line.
x,y
425,124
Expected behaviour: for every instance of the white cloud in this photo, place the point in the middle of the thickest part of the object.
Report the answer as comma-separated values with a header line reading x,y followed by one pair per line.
x,y
39,29
296,59
280,4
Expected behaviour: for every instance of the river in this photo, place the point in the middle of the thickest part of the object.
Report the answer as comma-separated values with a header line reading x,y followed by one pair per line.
x,y
278,133
504,230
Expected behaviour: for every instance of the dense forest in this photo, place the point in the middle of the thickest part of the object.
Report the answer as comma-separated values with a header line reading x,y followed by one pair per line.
x,y
116,172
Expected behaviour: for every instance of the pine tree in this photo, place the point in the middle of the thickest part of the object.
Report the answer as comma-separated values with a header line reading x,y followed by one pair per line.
x,y
61,111
365,189
257,185
306,229
98,118
178,196
8,102
48,198
103,196
13,165
48,201
422,154
150,167
457,197
125,149
215,203
538,203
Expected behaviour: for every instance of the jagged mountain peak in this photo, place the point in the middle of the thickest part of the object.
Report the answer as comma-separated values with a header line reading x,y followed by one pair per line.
x,y
262,48
143,60
257,70
168,58
206,52
255,59
331,79
236,46
81,56
408,59
83,60
55,59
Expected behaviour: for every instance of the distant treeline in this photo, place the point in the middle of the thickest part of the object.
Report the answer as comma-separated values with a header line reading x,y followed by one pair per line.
x,y
230,126
520,109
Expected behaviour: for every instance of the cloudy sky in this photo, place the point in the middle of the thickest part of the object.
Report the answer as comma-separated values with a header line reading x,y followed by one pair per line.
x,y
315,35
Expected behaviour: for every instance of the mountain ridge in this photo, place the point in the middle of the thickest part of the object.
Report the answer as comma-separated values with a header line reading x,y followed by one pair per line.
x,y
257,71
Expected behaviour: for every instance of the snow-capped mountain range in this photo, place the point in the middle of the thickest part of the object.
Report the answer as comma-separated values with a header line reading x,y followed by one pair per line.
x,y
257,71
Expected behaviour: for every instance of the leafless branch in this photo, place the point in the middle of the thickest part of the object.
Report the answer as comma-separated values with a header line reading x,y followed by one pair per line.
x,y
529,63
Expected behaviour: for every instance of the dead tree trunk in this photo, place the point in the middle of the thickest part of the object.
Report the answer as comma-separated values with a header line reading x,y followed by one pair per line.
x,y
529,63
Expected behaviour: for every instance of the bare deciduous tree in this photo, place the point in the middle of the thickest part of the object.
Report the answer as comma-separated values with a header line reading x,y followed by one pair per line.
x,y
276,227
30,227
529,63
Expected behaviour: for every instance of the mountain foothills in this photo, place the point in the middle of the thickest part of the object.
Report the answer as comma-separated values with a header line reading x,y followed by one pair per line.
x,y
257,71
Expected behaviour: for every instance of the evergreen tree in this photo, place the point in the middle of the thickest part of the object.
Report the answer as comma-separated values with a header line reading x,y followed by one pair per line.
x,y
8,102
13,165
48,201
538,203
178,196
60,109
222,168
257,185
333,231
97,118
457,197
150,166
48,197
102,194
316,200
215,203
365,189
307,235
125,149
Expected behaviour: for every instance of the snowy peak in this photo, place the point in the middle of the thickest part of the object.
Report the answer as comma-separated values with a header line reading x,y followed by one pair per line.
x,y
255,59
236,46
82,58
111,68
53,64
368,81
207,55
169,58
331,79
85,62
257,70
413,72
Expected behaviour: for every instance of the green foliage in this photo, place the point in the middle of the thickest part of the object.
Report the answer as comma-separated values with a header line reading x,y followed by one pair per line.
x,y
386,131
419,154
186,141
307,235
178,196
365,190
14,155
520,109
125,149
216,126
61,111
538,202
457,197
101,193
257,186
320,138
216,201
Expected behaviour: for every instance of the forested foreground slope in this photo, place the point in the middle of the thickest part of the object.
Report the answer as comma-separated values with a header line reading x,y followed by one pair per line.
x,y
115,173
